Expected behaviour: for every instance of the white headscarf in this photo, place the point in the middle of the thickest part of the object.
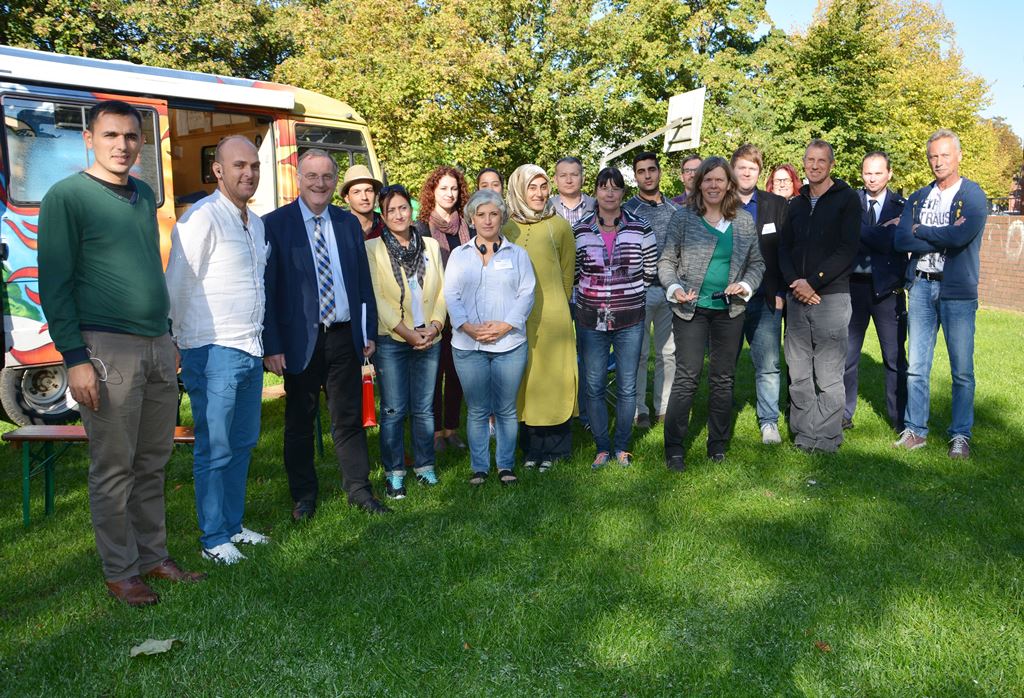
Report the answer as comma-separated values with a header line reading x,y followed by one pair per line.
x,y
518,183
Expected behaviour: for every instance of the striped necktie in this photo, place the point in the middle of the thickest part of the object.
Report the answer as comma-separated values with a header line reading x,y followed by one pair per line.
x,y
324,276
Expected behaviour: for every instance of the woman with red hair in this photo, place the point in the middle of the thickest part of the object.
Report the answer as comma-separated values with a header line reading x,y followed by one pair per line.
x,y
784,181
442,199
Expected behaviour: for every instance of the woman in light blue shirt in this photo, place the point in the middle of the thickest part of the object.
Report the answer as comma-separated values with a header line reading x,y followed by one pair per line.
x,y
488,287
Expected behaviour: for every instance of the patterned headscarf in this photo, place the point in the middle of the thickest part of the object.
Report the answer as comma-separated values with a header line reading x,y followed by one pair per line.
x,y
518,209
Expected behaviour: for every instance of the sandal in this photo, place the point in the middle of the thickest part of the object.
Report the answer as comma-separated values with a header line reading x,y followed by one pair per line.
x,y
507,477
477,479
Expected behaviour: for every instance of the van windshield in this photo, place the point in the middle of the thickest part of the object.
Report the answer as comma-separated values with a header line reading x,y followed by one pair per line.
x,y
44,145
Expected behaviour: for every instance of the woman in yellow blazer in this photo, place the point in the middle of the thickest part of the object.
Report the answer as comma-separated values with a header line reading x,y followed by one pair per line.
x,y
408,283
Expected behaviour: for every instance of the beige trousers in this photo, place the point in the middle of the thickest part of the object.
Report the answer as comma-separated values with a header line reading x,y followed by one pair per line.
x,y
130,441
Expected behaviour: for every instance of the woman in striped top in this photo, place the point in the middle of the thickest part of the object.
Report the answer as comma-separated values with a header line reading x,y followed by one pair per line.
x,y
616,257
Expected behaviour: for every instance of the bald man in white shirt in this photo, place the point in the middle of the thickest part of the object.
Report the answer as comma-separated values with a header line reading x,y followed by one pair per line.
x,y
215,281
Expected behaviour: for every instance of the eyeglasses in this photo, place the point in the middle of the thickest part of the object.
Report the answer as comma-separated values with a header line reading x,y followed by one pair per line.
x,y
322,179
781,180
393,189
690,170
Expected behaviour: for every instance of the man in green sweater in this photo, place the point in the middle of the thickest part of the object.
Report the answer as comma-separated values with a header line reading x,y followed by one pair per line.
x,y
102,289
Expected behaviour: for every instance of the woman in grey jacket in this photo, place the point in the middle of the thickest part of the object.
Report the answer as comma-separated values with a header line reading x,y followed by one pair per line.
x,y
710,267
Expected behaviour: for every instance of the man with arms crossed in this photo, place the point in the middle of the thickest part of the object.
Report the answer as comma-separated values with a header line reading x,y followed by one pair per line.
x,y
318,292
102,288
942,228
762,322
651,205
876,290
215,280
816,254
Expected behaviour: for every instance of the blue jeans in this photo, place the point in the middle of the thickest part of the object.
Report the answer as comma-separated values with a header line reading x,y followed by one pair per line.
x,y
763,330
490,385
225,387
594,346
406,377
926,313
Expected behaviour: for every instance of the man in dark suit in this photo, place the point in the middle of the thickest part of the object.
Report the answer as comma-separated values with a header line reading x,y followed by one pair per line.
x,y
876,290
318,294
762,324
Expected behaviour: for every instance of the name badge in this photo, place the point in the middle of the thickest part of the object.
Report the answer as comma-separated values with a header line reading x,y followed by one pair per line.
x,y
768,229
503,264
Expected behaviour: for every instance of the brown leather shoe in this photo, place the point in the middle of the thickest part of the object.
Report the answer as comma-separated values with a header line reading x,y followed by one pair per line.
x,y
133,591
169,570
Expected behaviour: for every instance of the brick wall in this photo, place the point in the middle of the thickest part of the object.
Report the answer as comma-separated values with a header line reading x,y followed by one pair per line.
x,y
1002,263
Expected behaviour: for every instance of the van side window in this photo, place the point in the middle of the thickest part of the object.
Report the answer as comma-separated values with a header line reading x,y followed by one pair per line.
x,y
44,145
346,146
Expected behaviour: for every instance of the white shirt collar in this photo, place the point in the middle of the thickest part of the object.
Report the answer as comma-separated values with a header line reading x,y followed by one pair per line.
x,y
307,213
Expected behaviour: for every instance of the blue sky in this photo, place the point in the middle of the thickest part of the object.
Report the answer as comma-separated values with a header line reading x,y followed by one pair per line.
x,y
988,34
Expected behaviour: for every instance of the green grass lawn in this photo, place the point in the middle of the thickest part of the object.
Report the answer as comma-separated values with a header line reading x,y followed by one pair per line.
x,y
872,572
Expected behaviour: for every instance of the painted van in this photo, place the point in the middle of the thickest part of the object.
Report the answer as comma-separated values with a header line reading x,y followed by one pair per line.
x,y
45,98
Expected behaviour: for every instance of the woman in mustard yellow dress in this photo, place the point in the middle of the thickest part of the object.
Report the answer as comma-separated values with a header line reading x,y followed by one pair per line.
x,y
547,395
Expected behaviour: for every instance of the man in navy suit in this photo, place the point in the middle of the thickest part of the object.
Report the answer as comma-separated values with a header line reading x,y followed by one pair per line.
x,y
318,288
876,290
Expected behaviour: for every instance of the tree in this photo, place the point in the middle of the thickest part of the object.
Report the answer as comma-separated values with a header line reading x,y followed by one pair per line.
x,y
525,81
233,37
885,75
91,28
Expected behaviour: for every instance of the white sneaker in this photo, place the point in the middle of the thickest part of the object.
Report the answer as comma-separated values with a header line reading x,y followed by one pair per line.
x,y
770,434
249,537
223,554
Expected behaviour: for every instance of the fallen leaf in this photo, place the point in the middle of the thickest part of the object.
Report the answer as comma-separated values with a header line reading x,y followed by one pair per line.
x,y
177,487
465,646
152,646
769,493
823,646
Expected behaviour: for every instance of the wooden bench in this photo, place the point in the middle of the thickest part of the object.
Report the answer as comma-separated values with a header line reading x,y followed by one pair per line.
x,y
38,454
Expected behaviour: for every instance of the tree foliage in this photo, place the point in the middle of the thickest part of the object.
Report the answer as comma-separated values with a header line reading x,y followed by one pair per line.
x,y
233,37
479,84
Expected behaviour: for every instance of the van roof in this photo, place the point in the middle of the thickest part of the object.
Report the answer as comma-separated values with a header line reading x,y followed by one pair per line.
x,y
28,65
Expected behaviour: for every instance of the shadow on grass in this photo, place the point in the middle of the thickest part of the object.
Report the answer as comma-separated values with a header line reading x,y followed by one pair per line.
x,y
620,582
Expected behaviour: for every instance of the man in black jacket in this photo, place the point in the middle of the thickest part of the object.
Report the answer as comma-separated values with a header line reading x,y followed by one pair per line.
x,y
762,324
816,252
876,290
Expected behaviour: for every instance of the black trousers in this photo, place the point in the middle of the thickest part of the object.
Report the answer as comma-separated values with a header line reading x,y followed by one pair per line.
x,y
890,317
334,367
721,335
551,442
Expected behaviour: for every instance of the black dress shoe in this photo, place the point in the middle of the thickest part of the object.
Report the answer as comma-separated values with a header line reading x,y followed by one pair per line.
x,y
303,511
373,506
676,464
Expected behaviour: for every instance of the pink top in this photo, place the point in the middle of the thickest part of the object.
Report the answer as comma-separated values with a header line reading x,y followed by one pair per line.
x,y
609,241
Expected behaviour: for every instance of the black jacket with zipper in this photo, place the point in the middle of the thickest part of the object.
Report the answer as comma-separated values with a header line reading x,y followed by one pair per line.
x,y
821,245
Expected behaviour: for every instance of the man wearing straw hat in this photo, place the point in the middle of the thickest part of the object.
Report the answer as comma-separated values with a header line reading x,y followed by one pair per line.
x,y
359,189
